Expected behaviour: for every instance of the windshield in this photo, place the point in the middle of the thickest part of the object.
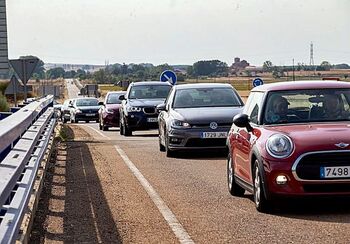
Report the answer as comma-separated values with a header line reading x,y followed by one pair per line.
x,y
206,97
302,106
87,102
149,92
113,98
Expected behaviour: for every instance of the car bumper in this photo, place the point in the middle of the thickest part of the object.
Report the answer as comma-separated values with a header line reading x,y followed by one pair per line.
x,y
191,139
301,187
137,121
111,120
85,117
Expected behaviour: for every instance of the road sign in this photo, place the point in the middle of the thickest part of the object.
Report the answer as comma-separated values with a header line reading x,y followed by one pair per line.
x,y
24,69
257,82
168,76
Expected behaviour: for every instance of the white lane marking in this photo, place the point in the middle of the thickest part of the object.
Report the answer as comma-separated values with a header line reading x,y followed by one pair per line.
x,y
98,132
168,215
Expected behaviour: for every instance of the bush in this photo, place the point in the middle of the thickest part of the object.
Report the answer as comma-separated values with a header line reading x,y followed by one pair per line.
x,y
4,107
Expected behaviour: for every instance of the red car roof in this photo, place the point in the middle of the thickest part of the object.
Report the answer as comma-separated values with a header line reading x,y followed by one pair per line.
x,y
300,85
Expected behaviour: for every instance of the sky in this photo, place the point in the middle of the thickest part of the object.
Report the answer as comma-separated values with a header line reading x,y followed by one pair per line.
x,y
179,31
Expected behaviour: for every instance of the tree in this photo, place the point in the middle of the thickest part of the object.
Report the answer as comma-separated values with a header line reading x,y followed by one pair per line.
x,y
210,68
100,76
267,66
326,65
56,73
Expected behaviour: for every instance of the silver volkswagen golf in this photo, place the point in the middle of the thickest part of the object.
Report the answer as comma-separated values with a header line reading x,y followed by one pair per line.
x,y
197,116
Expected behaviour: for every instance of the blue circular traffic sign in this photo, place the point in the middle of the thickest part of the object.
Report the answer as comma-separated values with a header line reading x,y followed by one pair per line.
x,y
168,76
257,82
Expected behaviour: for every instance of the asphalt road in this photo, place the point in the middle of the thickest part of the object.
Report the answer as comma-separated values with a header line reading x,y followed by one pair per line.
x,y
145,197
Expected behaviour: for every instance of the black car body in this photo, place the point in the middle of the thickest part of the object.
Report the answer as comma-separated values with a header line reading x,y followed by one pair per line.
x,y
84,109
138,110
197,116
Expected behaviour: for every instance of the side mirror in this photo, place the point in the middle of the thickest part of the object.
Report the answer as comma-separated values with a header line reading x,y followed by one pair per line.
x,y
161,107
101,103
121,97
242,121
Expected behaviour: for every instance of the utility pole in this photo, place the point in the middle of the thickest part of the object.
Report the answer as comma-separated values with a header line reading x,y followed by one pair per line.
x,y
293,71
312,63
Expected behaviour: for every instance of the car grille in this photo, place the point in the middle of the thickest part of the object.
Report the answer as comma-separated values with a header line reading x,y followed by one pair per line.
x,y
212,142
149,110
207,125
308,167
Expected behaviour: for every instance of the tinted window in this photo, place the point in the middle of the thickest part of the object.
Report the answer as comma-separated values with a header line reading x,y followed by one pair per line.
x,y
307,105
206,97
113,98
87,102
149,92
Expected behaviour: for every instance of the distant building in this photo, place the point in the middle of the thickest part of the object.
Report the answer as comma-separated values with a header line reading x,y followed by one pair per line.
x,y
238,65
4,62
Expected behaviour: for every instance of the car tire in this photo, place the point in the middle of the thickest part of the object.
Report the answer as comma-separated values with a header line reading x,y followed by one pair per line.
x,y
126,130
64,120
100,126
233,187
104,128
261,203
161,146
87,121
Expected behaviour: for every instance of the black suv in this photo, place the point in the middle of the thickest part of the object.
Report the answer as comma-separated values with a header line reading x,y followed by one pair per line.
x,y
138,110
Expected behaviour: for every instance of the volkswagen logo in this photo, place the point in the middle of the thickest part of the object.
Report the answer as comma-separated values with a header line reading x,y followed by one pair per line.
x,y
342,145
213,125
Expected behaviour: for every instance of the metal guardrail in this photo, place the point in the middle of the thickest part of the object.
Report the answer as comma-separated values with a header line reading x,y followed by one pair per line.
x,y
34,125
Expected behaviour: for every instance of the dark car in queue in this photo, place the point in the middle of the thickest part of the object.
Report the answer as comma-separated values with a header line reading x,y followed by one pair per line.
x,y
292,140
84,109
138,110
65,110
109,110
197,116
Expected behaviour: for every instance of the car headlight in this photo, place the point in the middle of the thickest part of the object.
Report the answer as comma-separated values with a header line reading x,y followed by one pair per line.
x,y
178,124
279,146
78,111
133,109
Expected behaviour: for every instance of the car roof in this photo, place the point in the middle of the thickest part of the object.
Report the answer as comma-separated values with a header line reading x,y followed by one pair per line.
x,y
301,85
142,83
203,85
116,92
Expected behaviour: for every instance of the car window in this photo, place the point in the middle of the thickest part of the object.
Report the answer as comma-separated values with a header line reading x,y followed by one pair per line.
x,y
113,98
205,97
149,92
322,105
253,106
87,102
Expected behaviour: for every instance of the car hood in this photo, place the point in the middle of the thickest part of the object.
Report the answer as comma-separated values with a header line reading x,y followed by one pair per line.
x,y
316,136
207,114
145,102
113,106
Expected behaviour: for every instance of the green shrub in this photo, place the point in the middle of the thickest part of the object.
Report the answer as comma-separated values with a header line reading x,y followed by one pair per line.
x,y
4,107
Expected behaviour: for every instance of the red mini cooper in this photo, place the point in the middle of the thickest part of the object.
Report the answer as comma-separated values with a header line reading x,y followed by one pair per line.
x,y
292,139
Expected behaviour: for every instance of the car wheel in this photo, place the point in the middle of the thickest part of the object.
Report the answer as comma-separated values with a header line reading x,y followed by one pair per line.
x,y
233,187
126,130
169,153
104,128
261,203
100,126
87,121
64,120
161,146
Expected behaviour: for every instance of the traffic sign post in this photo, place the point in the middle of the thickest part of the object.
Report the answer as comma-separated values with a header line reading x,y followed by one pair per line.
x,y
258,82
13,88
24,68
168,76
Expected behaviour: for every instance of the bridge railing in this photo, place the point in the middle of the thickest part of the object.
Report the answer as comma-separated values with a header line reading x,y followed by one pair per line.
x,y
24,139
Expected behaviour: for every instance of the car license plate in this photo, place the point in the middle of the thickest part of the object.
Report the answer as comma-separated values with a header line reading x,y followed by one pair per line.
x,y
335,172
213,134
152,120
90,115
